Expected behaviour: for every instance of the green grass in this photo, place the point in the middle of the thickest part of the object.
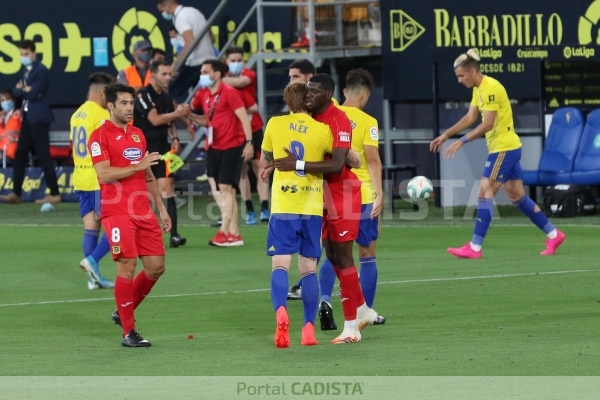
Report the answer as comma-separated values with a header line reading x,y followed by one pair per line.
x,y
512,313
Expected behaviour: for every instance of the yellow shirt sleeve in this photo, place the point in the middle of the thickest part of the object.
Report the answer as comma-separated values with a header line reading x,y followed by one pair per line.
x,y
267,143
372,132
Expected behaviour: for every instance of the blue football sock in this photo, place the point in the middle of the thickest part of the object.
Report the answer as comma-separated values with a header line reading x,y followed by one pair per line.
x,y
527,207
279,287
90,241
101,250
310,297
326,280
485,208
368,279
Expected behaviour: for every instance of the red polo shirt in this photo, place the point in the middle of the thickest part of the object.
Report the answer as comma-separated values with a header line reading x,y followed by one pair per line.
x,y
341,129
250,91
122,148
219,109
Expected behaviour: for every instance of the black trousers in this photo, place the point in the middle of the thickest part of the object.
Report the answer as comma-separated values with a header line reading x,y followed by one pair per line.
x,y
186,78
34,136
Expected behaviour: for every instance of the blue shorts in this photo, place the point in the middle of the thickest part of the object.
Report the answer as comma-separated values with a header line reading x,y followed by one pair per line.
x,y
368,229
88,201
504,166
294,233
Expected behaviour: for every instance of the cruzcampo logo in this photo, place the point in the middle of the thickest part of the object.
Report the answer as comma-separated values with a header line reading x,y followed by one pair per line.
x,y
134,26
597,141
588,25
404,30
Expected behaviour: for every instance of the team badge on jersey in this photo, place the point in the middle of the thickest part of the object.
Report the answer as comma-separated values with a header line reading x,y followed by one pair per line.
x,y
135,138
116,250
96,149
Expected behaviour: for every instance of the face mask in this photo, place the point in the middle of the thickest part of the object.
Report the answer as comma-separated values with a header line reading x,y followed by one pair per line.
x,y
26,61
145,56
7,105
205,81
167,16
235,68
174,42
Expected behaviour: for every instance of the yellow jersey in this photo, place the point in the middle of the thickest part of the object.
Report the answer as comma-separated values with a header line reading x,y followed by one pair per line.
x,y
84,121
297,192
365,132
491,96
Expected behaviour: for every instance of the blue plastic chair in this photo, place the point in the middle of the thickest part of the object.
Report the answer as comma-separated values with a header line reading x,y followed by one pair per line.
x,y
560,149
586,169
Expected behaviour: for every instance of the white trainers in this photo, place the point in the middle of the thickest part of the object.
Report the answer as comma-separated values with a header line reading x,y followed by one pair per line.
x,y
91,268
350,334
92,285
365,317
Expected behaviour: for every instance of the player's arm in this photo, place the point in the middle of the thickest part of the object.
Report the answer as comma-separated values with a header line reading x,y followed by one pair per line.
x,y
152,187
156,119
466,121
108,173
266,159
252,109
188,39
334,165
353,160
199,119
242,115
237,82
375,168
489,119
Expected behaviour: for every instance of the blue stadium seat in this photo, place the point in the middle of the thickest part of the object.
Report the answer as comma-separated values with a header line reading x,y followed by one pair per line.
x,y
586,170
560,149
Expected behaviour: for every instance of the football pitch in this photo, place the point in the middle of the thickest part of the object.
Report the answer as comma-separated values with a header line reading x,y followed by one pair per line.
x,y
512,313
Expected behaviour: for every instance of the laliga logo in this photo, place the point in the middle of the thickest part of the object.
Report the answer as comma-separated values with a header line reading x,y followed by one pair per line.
x,y
132,153
133,27
585,29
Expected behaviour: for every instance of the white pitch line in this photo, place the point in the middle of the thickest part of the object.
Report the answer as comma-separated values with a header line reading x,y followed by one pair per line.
x,y
37,303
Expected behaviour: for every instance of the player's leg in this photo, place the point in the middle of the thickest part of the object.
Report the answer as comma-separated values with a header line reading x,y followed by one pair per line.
x,y
516,193
368,233
349,291
261,187
223,199
122,235
489,186
246,195
231,169
282,242
309,253
93,250
150,248
217,198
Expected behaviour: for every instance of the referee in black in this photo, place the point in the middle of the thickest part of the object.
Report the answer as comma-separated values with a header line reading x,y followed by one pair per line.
x,y
155,113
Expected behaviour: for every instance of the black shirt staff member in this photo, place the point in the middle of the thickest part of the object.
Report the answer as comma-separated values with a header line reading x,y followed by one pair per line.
x,y
154,113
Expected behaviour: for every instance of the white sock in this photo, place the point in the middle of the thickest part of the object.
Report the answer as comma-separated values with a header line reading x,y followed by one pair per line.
x,y
475,247
552,235
350,324
362,309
